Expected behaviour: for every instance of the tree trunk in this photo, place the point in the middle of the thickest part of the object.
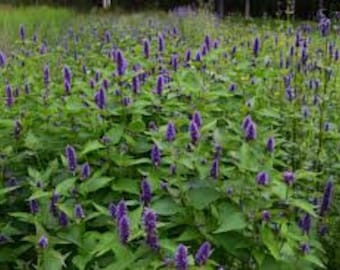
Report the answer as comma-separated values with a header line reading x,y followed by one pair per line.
x,y
220,8
320,4
247,9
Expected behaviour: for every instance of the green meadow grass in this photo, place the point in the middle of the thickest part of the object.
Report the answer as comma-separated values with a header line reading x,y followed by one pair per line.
x,y
48,21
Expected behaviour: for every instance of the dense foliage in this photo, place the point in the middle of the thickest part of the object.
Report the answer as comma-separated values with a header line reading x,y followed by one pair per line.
x,y
170,142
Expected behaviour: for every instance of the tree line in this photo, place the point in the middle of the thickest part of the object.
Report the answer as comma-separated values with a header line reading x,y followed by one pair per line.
x,y
299,8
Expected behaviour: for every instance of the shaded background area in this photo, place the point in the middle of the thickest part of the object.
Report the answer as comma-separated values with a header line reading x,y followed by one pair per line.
x,y
304,9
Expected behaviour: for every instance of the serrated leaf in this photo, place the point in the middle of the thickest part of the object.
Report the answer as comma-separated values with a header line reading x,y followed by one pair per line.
x,y
200,198
92,146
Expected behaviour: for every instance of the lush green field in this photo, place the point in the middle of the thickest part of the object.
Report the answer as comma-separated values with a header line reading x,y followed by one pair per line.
x,y
167,141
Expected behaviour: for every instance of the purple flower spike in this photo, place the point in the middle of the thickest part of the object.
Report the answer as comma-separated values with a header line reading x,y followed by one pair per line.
x,y
121,210
34,206
67,74
256,47
203,254
79,211
170,133
326,199
85,171
181,257
146,48
194,132
232,87
53,204
126,101
92,83
265,215
159,85
270,146
43,242
97,76
22,32
288,177
152,241
107,37
214,171
46,75
100,98
149,220
124,229
135,84
305,223
198,56
106,84
305,248
156,155
187,56
161,43
9,96
250,132
246,121
146,193
63,219
71,158
2,59
174,62
121,63
112,210
197,119
262,178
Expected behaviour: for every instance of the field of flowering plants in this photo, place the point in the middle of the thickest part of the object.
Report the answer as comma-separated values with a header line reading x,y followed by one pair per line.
x,y
171,141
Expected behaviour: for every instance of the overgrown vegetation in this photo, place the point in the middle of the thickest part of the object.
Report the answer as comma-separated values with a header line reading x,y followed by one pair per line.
x,y
168,141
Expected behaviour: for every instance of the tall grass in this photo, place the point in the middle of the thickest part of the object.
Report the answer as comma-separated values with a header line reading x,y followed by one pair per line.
x,y
47,21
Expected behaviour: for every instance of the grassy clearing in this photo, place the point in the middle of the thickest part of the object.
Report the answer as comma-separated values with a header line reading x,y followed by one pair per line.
x,y
46,21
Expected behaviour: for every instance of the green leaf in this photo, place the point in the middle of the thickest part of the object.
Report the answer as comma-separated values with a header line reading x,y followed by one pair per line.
x,y
200,198
165,207
65,186
94,184
230,219
270,242
92,146
304,206
315,260
52,260
115,133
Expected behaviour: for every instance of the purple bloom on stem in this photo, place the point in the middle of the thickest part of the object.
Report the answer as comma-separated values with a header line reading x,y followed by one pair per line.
x,y
146,193
2,59
170,133
336,55
121,210
159,85
46,75
107,36
71,158
246,121
79,211
112,210
155,155
106,84
250,132
9,96
326,199
126,101
17,129
214,171
146,48
85,171
34,206
161,43
265,215
135,84
262,178
232,87
194,132
100,98
124,229
198,56
121,63
305,248
270,146
174,61
53,205
305,223
97,76
181,257
92,83
187,56
203,254
197,119
152,240
325,26
63,219
22,32
288,177
43,242
67,74
256,46
149,220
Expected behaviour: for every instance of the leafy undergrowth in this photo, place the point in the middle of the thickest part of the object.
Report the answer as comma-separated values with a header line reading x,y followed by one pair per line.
x,y
173,141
